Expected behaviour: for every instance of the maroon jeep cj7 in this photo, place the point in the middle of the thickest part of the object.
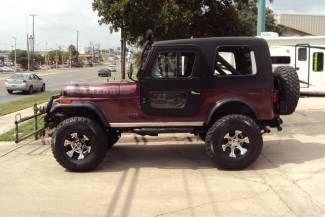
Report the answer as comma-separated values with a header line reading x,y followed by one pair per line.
x,y
221,89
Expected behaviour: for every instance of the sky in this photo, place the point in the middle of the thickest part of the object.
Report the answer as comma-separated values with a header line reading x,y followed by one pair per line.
x,y
57,21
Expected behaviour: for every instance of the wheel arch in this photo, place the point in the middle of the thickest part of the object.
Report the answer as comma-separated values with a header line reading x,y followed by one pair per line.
x,y
62,111
230,106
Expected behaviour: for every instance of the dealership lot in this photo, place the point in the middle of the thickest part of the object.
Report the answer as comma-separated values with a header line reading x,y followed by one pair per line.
x,y
172,176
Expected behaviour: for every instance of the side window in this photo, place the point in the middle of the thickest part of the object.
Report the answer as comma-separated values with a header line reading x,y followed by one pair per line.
x,y
235,61
302,54
173,65
318,61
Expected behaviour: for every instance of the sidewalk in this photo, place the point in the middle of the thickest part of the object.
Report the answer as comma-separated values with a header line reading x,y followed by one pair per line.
x,y
7,122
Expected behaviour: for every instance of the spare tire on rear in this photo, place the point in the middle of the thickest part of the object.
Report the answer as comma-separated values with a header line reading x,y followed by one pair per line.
x,y
287,83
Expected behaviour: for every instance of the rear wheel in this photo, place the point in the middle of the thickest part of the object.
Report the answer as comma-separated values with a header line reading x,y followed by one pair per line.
x,y
9,91
234,142
79,144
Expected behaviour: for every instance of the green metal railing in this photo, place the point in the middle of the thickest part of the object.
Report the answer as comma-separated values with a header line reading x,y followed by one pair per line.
x,y
38,113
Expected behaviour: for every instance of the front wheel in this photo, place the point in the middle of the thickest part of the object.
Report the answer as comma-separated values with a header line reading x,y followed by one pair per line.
x,y
234,142
79,144
9,91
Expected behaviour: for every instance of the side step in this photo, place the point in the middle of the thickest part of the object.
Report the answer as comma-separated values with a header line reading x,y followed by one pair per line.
x,y
156,131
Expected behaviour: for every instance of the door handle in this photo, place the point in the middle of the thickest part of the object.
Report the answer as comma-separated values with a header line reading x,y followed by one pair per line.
x,y
195,92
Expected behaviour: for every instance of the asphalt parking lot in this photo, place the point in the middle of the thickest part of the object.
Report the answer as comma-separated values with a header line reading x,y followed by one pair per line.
x,y
152,177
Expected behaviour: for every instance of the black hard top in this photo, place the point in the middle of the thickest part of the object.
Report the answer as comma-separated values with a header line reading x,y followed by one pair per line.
x,y
211,40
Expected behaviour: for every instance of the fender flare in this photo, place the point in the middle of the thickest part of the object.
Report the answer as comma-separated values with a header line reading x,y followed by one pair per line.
x,y
56,109
219,104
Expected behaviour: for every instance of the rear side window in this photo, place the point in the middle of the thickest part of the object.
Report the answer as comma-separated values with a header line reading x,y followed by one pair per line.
x,y
281,60
318,62
234,61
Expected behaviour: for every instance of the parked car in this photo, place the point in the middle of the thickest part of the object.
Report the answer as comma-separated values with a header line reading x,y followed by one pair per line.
x,y
27,82
221,89
104,73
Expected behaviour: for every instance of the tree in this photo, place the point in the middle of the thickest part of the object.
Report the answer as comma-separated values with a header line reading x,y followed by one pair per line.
x,y
22,57
247,12
74,53
170,19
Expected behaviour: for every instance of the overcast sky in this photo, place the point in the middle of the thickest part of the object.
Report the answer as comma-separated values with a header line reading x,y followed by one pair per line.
x,y
58,20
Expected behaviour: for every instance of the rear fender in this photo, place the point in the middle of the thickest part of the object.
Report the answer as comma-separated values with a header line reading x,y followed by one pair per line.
x,y
230,106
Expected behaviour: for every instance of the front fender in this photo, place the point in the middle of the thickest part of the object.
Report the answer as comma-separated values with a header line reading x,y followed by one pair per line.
x,y
77,109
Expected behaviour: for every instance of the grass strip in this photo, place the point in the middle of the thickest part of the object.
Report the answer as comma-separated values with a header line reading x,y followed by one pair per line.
x,y
26,102
24,129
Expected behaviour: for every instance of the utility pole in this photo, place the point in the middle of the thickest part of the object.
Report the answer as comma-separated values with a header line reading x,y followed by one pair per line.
x,y
15,39
33,48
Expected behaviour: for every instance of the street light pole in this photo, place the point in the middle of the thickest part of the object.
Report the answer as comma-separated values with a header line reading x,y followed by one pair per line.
x,y
33,48
15,39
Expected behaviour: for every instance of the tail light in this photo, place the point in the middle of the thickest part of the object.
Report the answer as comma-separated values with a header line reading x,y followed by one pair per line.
x,y
24,81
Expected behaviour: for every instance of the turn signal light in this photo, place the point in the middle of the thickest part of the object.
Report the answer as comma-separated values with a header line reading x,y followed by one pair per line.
x,y
65,101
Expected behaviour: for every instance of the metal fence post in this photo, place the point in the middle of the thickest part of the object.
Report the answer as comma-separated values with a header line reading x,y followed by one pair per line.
x,y
35,119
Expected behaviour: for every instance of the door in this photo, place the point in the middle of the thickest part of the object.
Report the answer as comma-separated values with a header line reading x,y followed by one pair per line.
x,y
302,62
170,85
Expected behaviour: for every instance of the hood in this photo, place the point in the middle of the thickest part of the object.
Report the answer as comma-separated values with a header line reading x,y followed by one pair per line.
x,y
109,89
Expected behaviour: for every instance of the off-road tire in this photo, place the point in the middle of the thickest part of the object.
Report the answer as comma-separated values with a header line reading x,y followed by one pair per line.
x,y
215,139
9,91
112,138
87,127
287,82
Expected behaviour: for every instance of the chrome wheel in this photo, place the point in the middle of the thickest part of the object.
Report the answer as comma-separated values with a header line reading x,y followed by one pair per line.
x,y
77,146
235,144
